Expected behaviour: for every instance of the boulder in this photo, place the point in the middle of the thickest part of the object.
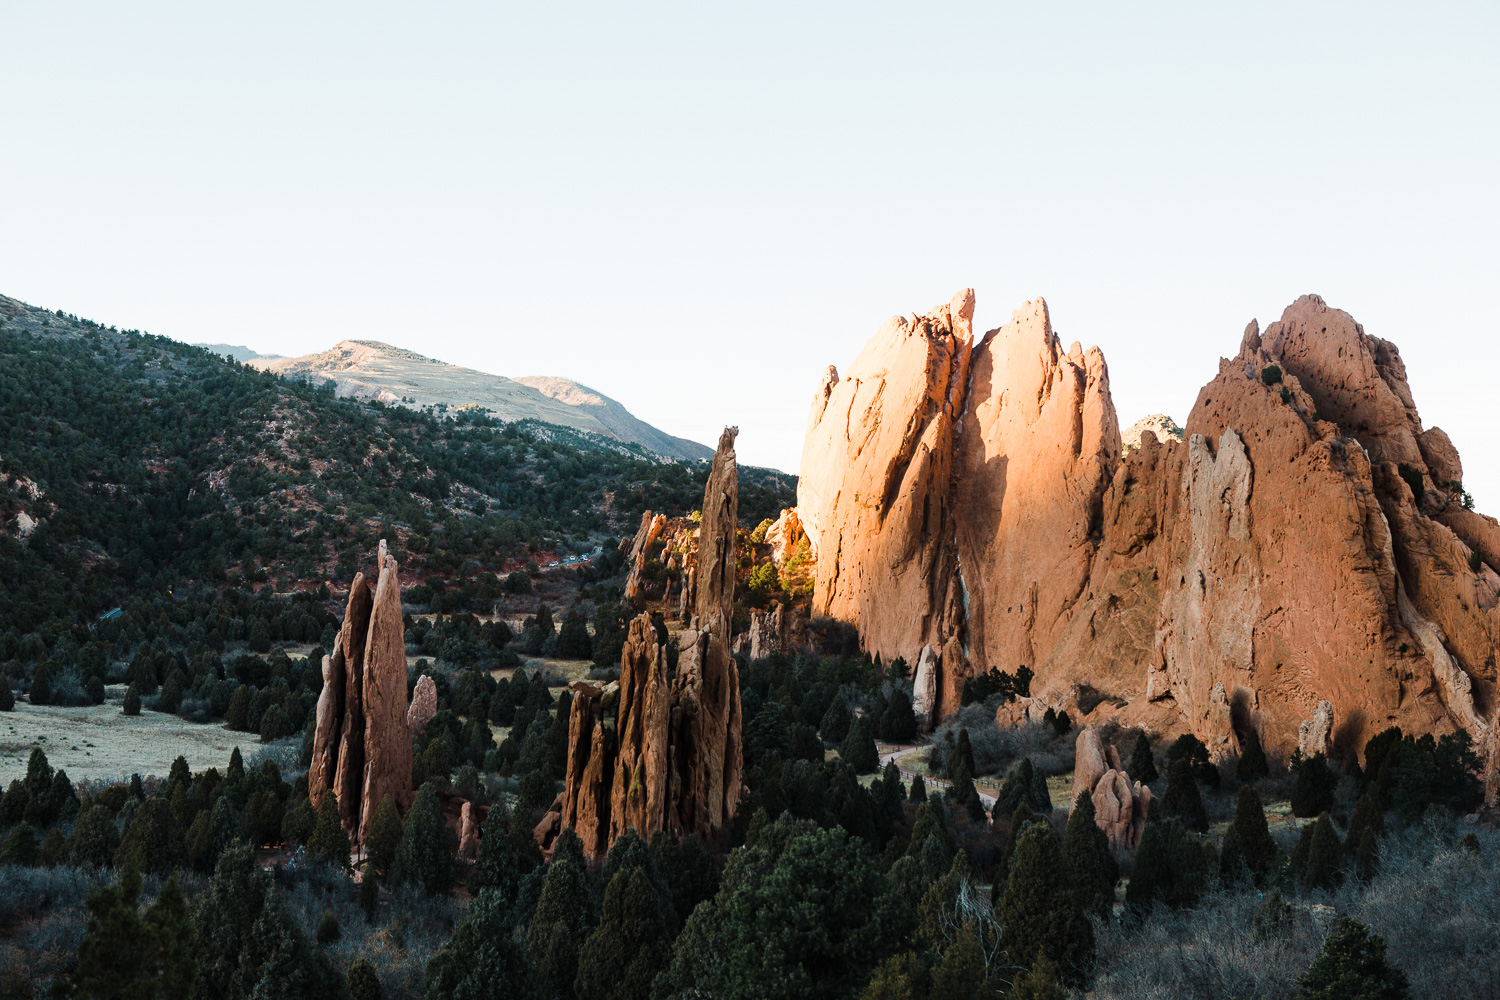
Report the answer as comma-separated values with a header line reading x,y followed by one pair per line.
x,y
468,837
1315,735
423,706
1121,809
1091,762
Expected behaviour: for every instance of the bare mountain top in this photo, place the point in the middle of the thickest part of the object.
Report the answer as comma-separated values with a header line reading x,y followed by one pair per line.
x,y
1160,424
368,369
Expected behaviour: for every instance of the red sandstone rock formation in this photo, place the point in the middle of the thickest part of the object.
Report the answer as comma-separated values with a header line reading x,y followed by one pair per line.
x,y
640,549
423,706
676,762
361,741
387,740
1304,542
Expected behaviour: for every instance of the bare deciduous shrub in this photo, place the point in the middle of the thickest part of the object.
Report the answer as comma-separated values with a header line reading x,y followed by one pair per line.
x,y
1433,902
996,749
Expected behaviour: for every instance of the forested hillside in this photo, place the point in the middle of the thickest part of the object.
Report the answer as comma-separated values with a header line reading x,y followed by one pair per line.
x,y
132,462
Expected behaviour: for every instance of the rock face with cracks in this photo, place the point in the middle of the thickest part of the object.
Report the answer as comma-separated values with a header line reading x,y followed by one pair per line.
x,y
1305,541
676,760
362,742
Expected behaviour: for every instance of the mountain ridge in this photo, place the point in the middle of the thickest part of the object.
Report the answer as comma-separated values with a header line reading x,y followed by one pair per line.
x,y
397,376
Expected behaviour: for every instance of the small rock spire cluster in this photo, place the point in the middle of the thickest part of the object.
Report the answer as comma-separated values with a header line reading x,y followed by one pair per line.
x,y
675,759
362,744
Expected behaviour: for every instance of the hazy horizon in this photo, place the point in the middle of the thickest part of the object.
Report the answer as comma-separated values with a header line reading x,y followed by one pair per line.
x,y
696,211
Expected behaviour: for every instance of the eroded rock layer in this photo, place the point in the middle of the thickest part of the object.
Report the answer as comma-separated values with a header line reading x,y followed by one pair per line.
x,y
675,762
1306,541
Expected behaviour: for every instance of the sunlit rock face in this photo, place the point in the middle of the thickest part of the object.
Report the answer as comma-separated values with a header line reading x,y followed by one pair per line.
x,y
1304,541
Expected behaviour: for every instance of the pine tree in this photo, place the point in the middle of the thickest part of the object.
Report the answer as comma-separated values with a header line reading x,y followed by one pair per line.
x,y
1323,855
497,867
1252,765
623,955
7,696
482,960
963,794
328,927
1038,912
278,961
1252,833
899,722
1352,966
918,791
424,856
329,842
1368,816
95,838
962,755
1171,867
1315,787
559,924
1142,766
961,974
132,700
20,847
903,976
1091,869
384,837
858,748
237,715
225,914
361,982
1039,983
154,843
123,954
1182,799
167,940
936,910
836,721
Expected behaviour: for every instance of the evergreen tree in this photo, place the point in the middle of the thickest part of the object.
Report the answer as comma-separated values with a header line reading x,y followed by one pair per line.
x,y
1171,867
1323,855
963,794
1315,787
20,847
329,842
1142,766
1191,749
212,833
1182,799
918,791
167,942
132,700
1039,913
224,916
13,805
361,982
497,866
1024,784
154,842
890,796
962,755
961,974
1352,966
95,838
935,913
424,856
369,895
1038,983
7,696
836,721
1252,834
1252,765
123,954
1367,817
482,960
237,715
898,722
1091,869
277,960
858,748
561,922
623,955
384,837
690,871
901,977
328,927
38,775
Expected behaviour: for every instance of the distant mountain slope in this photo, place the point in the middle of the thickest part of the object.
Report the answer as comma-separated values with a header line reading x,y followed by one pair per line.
x,y
235,351
368,369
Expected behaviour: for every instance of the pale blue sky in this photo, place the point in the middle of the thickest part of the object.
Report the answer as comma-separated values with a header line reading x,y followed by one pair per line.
x,y
695,208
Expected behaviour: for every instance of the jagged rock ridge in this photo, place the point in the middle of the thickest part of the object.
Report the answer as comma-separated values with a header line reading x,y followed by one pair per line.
x,y
1307,541
674,760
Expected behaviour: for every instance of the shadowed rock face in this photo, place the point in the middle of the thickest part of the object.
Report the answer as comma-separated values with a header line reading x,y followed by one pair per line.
x,y
678,765
362,740
1277,557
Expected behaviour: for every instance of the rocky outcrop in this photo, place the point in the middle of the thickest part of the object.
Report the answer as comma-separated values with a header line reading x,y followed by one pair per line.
x,y
1121,809
423,706
1161,426
1094,759
640,550
1307,540
925,688
362,745
468,833
676,760
784,536
778,629
1315,735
